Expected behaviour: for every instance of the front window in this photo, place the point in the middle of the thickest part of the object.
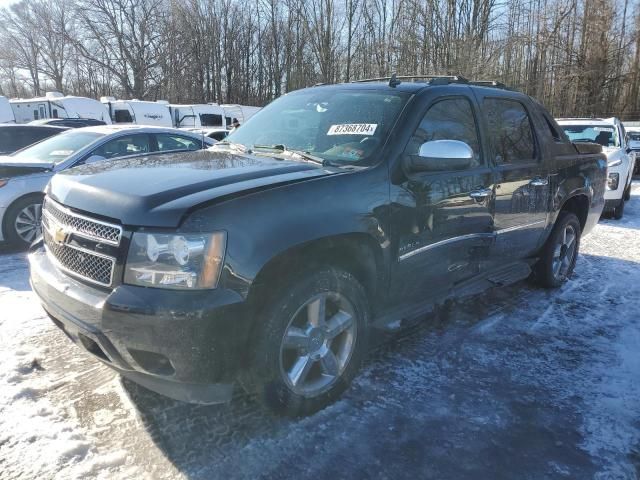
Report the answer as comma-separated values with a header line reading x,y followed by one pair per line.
x,y
56,149
605,135
340,126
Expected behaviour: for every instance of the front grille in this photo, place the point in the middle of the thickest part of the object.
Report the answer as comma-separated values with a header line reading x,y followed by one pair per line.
x,y
61,225
82,226
81,262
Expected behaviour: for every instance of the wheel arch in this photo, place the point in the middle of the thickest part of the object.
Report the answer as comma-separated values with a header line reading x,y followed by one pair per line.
x,y
12,204
357,253
577,204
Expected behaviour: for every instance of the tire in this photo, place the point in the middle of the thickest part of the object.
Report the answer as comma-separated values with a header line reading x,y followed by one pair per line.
x,y
618,212
21,225
559,253
627,193
298,368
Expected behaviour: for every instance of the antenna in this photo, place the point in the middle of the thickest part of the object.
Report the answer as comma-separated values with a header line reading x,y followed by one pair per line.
x,y
393,81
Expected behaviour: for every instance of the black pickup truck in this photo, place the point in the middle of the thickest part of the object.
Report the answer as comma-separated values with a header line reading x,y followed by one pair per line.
x,y
266,260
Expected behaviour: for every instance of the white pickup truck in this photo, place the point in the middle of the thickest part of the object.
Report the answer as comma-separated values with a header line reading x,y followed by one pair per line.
x,y
610,133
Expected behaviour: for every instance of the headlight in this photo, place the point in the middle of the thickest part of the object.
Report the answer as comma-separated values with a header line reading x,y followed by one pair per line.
x,y
613,180
177,261
615,163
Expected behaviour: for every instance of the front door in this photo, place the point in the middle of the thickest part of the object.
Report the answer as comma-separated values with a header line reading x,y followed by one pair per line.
x,y
521,178
42,110
442,219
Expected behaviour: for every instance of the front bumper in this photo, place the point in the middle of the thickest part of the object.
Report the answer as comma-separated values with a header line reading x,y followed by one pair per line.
x,y
185,345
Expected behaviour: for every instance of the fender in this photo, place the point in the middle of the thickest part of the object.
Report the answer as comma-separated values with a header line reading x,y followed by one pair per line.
x,y
317,210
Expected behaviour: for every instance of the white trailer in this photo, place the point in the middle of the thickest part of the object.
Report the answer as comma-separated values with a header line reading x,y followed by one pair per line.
x,y
196,117
241,113
6,113
139,112
56,105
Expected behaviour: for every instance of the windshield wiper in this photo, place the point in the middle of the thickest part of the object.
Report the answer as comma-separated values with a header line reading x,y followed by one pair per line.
x,y
282,149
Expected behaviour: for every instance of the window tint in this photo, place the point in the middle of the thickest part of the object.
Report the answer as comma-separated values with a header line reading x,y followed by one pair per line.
x,y
167,142
510,131
450,119
210,120
122,116
122,146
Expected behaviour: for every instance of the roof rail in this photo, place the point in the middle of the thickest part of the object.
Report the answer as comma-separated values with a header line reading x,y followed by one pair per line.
x,y
394,79
490,83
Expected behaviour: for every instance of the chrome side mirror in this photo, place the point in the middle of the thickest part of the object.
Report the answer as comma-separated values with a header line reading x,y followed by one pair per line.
x,y
441,156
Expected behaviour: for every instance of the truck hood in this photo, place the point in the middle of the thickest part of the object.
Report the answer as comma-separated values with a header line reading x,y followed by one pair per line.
x,y
158,190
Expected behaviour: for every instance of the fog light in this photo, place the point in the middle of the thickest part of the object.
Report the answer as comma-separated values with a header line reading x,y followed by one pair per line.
x,y
613,180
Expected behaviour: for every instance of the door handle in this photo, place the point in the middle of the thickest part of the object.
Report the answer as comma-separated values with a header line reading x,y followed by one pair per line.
x,y
480,194
539,182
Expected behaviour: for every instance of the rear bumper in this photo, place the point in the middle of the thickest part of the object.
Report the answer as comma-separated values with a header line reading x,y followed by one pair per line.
x,y
185,345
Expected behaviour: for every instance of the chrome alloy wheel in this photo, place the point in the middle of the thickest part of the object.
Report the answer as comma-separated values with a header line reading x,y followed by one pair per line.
x,y
318,344
565,252
28,222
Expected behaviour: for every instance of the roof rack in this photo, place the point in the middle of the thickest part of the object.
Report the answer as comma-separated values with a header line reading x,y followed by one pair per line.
x,y
490,83
395,79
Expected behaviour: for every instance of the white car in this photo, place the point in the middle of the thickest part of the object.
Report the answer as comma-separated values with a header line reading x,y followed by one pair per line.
x,y
25,173
609,133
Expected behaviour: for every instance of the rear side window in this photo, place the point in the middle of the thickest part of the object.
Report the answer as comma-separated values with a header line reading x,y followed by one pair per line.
x,y
555,133
218,136
510,131
450,119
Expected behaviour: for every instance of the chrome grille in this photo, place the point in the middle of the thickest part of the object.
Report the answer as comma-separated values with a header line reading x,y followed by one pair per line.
x,y
60,226
81,262
80,225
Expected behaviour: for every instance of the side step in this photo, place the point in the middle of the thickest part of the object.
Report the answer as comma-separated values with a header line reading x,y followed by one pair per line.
x,y
501,277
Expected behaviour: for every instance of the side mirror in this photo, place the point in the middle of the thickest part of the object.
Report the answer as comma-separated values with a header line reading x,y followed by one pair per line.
x,y
440,156
94,158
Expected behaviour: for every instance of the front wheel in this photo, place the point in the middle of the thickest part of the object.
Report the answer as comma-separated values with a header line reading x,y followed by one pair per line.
x,y
22,221
312,342
560,253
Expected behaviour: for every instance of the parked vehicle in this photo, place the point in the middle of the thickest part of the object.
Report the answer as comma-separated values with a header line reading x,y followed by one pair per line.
x,y
218,134
24,174
56,105
633,141
197,116
269,258
609,133
238,113
138,112
69,122
16,137
6,113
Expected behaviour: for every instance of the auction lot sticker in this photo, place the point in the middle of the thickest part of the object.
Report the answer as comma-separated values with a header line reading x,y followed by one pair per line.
x,y
353,129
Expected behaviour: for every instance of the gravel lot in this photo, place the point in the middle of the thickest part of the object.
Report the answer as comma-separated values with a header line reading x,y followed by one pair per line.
x,y
520,383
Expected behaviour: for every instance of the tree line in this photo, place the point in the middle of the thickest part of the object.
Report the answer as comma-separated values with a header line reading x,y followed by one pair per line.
x,y
579,57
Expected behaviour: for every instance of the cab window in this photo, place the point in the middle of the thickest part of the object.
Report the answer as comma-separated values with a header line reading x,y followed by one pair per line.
x,y
449,119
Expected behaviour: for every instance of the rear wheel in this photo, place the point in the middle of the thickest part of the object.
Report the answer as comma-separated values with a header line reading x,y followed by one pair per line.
x,y
627,193
312,342
22,221
559,254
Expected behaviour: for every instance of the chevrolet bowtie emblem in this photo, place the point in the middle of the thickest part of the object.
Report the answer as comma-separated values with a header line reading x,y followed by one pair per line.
x,y
60,235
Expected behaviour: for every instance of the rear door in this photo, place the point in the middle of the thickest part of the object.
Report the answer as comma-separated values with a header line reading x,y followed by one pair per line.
x,y
442,220
521,176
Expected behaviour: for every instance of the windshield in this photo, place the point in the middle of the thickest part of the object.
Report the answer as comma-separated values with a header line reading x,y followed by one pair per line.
x,y
607,136
56,149
341,126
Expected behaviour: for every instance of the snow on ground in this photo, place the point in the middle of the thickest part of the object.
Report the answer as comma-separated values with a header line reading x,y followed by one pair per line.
x,y
520,383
